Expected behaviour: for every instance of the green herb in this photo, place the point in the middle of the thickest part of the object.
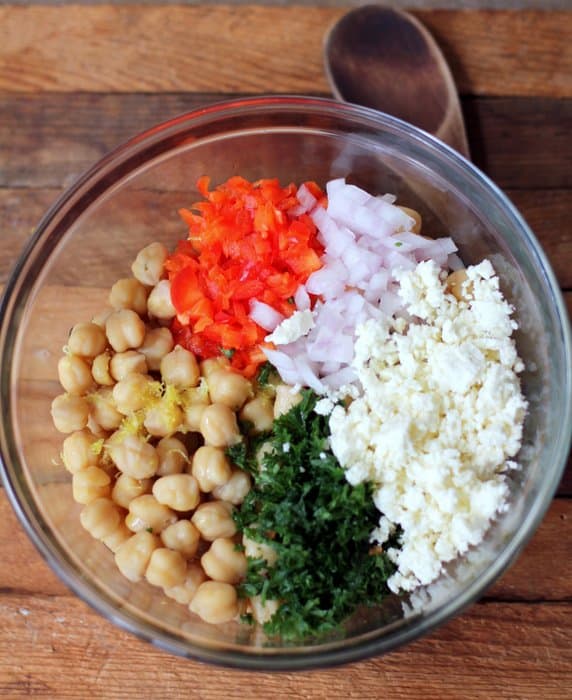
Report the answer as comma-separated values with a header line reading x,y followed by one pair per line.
x,y
265,373
238,455
302,505
149,529
228,352
398,244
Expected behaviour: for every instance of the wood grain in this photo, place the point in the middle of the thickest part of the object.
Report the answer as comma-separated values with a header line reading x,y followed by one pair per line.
x,y
57,647
547,212
507,139
47,140
542,572
113,48
75,81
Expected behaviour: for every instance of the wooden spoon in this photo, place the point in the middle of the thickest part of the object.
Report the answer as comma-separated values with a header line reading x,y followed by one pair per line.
x,y
383,58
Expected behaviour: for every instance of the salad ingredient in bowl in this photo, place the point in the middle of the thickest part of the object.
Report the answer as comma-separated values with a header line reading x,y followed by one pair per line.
x,y
304,408
181,434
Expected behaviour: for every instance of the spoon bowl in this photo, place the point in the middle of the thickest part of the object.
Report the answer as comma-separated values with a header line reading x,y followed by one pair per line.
x,y
385,59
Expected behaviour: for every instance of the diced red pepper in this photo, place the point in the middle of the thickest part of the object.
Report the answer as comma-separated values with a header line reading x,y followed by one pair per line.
x,y
243,244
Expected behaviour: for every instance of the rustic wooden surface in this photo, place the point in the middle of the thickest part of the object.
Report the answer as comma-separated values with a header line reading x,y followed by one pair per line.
x,y
77,80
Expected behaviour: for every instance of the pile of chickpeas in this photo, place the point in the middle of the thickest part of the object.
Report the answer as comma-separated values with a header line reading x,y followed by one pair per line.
x,y
148,427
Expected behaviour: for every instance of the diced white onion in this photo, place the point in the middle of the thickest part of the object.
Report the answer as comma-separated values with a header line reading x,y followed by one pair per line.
x,y
264,315
302,298
365,239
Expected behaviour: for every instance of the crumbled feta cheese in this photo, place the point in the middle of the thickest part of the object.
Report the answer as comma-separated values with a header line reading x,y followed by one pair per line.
x,y
286,447
324,407
440,416
292,328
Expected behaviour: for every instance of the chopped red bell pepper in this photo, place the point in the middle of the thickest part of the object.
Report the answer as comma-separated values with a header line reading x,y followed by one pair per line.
x,y
244,243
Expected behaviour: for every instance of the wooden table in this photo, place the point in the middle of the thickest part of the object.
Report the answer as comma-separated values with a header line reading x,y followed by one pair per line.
x,y
76,81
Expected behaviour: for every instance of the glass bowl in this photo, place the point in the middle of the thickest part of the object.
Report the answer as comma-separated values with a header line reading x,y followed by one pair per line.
x,y
130,198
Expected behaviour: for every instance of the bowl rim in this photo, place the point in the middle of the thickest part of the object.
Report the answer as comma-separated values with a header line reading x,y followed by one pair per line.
x,y
282,660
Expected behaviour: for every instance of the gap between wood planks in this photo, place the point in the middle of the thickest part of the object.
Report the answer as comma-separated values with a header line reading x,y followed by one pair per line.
x,y
48,139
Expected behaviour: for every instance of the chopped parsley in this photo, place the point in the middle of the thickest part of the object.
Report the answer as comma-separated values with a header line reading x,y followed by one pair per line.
x,y
228,352
265,374
302,505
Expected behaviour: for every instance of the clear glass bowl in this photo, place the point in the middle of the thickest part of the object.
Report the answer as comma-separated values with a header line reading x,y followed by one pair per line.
x,y
130,198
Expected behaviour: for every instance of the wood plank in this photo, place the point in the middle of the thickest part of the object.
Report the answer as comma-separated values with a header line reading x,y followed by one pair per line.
x,y
546,560
542,572
250,48
547,212
68,133
507,140
20,212
496,650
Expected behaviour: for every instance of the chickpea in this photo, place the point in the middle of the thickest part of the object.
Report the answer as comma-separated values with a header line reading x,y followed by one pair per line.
x,y
219,426
166,568
182,537
132,557
74,374
69,413
132,392
135,457
100,318
94,427
416,216
128,362
259,413
193,415
285,399
117,537
125,330
184,593
454,285
212,364
159,304
229,388
214,520
89,484
158,342
210,467
103,409
163,419
148,265
87,340
215,602
106,463
100,518
223,562
78,451
127,489
235,489
173,456
100,370
178,491
259,550
146,513
129,293
263,612
180,367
